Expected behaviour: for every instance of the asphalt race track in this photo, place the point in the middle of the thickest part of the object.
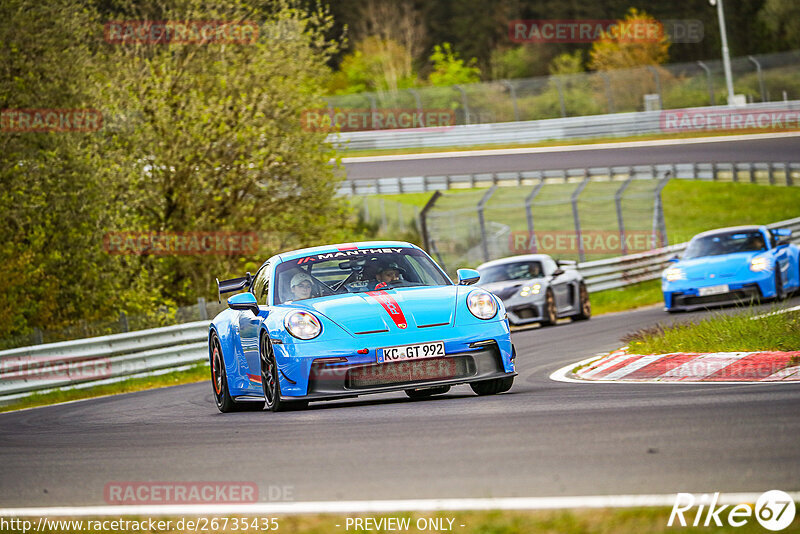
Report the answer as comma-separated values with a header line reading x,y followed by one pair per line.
x,y
543,438
779,149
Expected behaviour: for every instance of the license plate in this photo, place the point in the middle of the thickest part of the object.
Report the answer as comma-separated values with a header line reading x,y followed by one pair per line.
x,y
712,290
411,352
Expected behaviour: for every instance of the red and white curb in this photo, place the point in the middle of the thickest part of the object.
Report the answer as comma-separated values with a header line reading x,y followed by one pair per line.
x,y
685,367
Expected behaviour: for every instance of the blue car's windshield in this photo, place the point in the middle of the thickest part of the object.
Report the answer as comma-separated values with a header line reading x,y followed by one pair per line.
x,y
354,271
725,243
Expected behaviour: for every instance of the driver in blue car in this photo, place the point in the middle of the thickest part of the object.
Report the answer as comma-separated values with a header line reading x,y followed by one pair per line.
x,y
301,286
386,274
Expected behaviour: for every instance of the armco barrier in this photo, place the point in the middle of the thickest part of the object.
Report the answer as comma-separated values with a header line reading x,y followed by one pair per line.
x,y
122,355
53,365
589,126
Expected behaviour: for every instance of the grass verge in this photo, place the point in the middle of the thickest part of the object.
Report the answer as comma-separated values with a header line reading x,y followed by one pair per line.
x,y
553,142
197,373
626,298
747,330
584,521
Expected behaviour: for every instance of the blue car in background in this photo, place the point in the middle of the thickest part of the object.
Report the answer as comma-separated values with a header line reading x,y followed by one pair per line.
x,y
346,320
730,265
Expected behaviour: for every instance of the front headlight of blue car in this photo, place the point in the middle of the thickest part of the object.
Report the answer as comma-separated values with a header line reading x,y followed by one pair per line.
x,y
760,263
673,274
481,304
302,325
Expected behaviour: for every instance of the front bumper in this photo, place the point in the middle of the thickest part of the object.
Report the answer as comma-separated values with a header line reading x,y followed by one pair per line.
x,y
686,297
317,371
525,310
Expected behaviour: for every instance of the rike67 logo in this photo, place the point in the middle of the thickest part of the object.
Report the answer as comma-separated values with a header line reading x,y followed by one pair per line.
x,y
774,510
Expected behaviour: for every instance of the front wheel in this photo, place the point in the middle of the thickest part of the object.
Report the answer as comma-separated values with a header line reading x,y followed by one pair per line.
x,y
492,387
550,313
780,291
424,393
270,383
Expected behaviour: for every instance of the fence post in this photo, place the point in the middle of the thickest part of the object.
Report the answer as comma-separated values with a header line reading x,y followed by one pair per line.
x,y
513,93
760,78
423,219
417,99
576,218
201,307
789,181
620,220
529,214
710,81
657,79
38,336
482,223
373,107
123,322
659,224
465,102
560,89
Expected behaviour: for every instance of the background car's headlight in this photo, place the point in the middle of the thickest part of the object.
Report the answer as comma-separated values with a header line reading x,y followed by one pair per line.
x,y
530,290
302,325
760,263
674,274
481,304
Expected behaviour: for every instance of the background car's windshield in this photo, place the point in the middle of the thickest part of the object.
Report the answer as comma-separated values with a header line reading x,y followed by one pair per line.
x,y
521,270
725,243
354,271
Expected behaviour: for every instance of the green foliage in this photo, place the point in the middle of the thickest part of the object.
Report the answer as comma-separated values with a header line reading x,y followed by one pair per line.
x,y
567,63
450,69
519,62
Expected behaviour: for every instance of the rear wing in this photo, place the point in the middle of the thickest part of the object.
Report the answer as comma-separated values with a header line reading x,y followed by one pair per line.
x,y
232,285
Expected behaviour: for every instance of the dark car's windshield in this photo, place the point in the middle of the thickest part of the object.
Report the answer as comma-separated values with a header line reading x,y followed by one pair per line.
x,y
354,271
520,270
725,243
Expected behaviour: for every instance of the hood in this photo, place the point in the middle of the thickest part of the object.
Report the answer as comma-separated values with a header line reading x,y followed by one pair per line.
x,y
508,288
377,311
721,267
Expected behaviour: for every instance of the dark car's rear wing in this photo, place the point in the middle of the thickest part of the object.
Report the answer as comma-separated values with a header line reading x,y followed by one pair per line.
x,y
232,285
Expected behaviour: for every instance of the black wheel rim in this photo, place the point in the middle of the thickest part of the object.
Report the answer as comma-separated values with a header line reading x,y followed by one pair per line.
x,y
216,369
267,374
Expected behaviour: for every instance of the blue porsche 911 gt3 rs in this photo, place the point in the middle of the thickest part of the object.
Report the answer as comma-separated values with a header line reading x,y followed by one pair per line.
x,y
347,320
732,265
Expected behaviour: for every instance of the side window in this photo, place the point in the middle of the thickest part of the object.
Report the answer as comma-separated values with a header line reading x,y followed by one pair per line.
x,y
261,285
772,239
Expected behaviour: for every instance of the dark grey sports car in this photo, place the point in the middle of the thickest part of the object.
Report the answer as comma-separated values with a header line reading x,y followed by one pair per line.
x,y
537,289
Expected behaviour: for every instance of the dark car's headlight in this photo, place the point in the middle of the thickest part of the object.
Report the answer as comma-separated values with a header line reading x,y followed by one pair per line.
x,y
302,325
481,304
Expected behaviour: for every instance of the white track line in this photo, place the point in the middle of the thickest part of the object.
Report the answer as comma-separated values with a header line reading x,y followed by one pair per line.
x,y
389,506
567,148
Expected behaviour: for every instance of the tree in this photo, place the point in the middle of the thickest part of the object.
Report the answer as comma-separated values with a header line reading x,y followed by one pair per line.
x,y
450,69
617,51
782,18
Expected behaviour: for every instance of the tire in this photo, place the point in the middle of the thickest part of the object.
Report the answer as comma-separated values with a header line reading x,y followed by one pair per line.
x,y
584,304
780,291
427,392
219,381
492,387
550,313
270,382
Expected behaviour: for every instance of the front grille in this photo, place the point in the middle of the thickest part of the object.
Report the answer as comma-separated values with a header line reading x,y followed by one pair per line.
x,y
426,370
526,313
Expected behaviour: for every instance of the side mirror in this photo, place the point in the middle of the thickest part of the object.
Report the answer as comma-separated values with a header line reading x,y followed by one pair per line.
x,y
467,277
783,243
558,272
244,301
674,259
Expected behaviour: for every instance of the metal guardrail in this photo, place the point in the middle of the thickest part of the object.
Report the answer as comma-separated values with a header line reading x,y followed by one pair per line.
x,y
619,272
589,126
748,172
84,361
68,363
